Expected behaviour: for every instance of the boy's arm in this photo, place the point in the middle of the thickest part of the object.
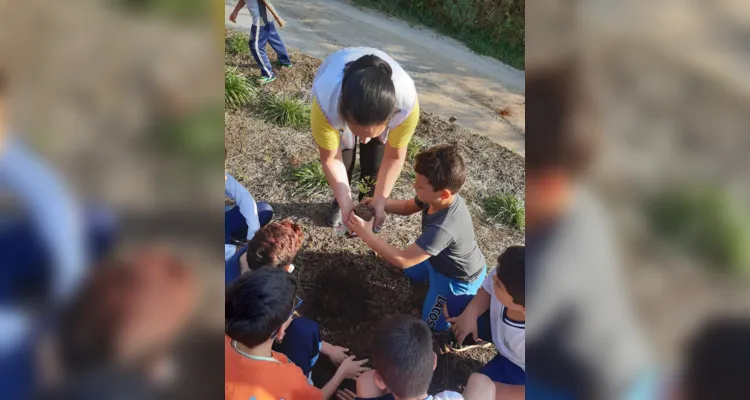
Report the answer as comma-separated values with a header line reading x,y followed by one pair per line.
x,y
245,202
237,8
402,207
402,259
330,388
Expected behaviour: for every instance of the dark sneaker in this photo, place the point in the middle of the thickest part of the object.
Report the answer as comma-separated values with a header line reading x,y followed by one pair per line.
x,y
266,80
334,218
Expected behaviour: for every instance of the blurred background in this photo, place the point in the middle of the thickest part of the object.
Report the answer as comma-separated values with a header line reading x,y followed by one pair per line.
x,y
670,89
111,136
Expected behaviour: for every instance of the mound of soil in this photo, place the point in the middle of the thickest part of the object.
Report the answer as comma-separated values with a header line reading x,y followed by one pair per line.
x,y
364,212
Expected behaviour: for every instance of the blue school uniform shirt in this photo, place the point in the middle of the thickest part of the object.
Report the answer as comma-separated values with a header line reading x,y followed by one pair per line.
x,y
44,200
242,198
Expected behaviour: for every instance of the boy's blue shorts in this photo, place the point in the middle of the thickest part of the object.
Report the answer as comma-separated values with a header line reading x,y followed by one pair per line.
x,y
301,344
442,289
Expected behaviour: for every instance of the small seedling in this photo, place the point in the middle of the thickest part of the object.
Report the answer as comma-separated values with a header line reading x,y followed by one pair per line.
x,y
365,184
238,91
310,178
413,148
287,111
506,209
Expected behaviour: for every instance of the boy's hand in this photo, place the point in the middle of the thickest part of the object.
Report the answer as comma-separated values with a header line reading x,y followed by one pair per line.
x,y
462,326
350,369
360,226
337,354
233,16
282,23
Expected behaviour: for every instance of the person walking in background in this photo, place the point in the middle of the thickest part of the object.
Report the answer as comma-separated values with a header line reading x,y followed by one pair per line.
x,y
264,31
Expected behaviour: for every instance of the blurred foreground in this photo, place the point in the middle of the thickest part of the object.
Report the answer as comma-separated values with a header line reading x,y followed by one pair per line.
x,y
669,106
111,128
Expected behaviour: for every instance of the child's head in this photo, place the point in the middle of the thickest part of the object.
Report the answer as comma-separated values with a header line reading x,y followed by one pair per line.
x,y
368,96
402,356
274,245
440,173
259,306
717,365
560,141
510,280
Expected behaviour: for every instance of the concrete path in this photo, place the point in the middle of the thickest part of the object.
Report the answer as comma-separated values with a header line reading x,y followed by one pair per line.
x,y
482,93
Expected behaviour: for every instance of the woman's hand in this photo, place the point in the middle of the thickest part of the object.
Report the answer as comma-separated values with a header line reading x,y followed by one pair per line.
x,y
360,226
378,206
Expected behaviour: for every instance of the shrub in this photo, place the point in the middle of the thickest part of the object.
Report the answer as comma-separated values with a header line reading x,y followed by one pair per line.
x,y
287,111
310,178
238,91
506,209
705,222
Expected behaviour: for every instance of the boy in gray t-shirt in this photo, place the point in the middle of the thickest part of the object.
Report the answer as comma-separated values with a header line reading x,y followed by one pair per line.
x,y
446,254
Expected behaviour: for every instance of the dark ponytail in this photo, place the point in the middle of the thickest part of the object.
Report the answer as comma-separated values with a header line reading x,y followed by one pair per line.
x,y
368,95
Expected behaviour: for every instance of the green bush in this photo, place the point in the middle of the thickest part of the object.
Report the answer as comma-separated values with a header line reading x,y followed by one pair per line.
x,y
506,209
310,178
235,44
414,147
493,28
287,111
238,90
705,222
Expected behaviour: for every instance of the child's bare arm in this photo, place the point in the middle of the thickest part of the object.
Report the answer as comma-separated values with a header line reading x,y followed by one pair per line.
x,y
237,8
402,207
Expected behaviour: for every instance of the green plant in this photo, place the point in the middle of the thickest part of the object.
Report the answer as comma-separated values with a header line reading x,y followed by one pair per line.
x,y
413,148
287,111
310,178
195,137
493,28
506,209
365,184
706,222
238,91
236,44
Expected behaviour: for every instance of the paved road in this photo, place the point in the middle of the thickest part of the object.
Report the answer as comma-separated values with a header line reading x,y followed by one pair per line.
x,y
452,81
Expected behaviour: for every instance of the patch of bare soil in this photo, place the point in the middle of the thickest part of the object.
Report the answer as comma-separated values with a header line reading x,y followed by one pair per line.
x,y
345,287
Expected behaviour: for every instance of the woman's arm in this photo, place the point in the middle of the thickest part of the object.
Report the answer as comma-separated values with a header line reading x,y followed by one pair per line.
x,y
329,148
393,161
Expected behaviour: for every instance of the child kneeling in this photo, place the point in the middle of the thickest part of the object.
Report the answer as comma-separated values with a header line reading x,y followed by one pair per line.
x,y
498,314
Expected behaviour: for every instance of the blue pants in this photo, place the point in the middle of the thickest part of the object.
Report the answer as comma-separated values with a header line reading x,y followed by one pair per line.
x,y
235,226
259,36
301,344
442,289
499,369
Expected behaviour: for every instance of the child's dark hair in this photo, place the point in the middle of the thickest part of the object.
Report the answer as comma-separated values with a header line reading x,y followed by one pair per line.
x,y
443,167
274,245
511,271
368,95
402,354
718,361
257,304
559,132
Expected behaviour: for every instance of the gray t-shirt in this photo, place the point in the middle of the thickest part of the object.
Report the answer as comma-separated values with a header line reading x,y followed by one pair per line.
x,y
259,12
448,236
585,339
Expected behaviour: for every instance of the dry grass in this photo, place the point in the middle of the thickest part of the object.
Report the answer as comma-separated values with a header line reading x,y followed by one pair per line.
x,y
346,288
